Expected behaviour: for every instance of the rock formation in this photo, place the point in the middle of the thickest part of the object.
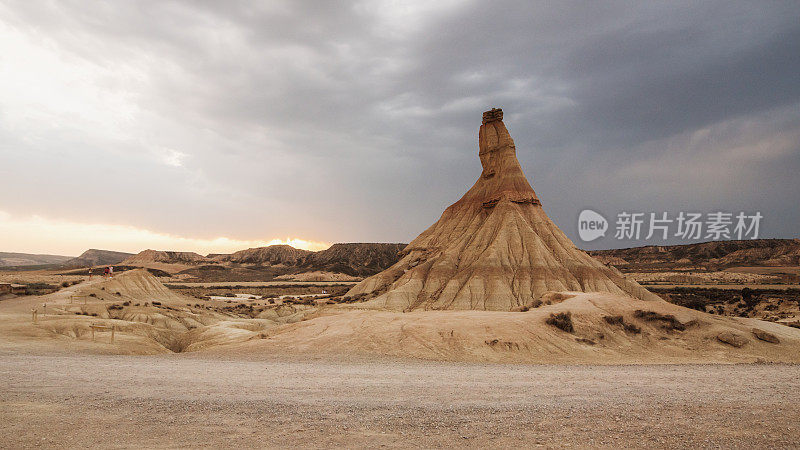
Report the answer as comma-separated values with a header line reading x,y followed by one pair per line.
x,y
494,249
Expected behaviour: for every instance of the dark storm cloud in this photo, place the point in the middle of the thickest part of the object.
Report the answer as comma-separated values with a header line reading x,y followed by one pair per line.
x,y
358,121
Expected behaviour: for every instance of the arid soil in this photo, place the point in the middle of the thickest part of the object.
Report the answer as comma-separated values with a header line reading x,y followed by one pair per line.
x,y
598,328
185,372
193,400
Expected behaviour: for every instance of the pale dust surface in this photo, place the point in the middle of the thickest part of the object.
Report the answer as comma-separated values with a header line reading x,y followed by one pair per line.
x,y
193,400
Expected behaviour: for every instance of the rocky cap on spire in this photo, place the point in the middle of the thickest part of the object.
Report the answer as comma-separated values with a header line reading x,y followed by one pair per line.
x,y
492,115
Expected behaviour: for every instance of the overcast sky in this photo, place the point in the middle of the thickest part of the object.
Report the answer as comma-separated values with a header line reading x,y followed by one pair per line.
x,y
213,126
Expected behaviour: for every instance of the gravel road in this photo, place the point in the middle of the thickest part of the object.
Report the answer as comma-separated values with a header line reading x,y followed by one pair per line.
x,y
192,401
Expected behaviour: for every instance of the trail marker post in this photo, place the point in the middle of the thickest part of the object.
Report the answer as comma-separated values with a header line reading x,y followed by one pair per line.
x,y
99,327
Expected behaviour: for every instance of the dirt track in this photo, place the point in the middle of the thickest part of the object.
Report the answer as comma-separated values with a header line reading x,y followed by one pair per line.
x,y
169,401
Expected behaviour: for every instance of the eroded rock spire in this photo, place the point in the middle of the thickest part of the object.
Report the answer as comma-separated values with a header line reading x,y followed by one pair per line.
x,y
494,249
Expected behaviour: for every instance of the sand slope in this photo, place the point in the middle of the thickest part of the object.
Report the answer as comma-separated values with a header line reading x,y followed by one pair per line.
x,y
524,337
147,316
666,333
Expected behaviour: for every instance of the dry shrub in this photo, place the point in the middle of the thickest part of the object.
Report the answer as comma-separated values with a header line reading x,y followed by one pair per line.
x,y
619,320
632,328
562,321
668,321
614,320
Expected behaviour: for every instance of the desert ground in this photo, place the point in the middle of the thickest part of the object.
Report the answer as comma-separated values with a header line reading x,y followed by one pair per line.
x,y
196,400
188,369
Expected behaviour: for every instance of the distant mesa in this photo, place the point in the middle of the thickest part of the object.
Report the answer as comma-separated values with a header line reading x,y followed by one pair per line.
x,y
166,257
354,259
12,259
494,249
94,257
339,262
272,255
715,254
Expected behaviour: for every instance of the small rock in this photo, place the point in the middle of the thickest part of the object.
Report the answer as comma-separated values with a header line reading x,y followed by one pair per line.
x,y
732,339
765,336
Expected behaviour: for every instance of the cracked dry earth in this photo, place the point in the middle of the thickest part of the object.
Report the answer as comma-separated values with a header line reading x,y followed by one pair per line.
x,y
195,401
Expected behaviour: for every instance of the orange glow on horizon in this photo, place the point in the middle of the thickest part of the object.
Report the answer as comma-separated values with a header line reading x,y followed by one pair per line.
x,y
58,237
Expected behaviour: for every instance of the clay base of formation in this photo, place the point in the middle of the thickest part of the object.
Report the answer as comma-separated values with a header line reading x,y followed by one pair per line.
x,y
605,329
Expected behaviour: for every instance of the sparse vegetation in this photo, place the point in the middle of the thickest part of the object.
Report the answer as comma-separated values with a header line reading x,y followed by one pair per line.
x,y
39,288
619,320
746,302
562,321
668,321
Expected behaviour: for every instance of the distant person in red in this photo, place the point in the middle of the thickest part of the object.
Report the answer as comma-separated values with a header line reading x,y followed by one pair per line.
x,y
105,272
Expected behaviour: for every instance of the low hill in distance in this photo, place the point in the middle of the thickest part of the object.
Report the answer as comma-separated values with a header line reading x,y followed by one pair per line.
x,y
167,261
168,257
340,262
713,255
94,257
27,259
355,259
271,255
